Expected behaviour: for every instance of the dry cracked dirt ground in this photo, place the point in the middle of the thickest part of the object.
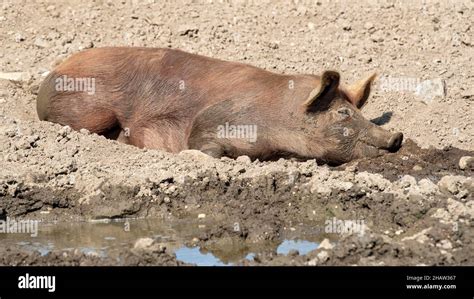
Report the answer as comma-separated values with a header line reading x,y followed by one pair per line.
x,y
416,207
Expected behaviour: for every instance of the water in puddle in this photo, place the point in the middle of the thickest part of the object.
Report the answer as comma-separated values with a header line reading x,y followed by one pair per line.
x,y
193,255
109,238
302,246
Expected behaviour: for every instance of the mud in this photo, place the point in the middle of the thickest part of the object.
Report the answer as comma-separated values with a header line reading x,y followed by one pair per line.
x,y
416,205
412,160
14,256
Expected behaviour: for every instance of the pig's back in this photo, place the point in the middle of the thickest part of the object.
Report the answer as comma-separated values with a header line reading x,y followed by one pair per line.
x,y
139,87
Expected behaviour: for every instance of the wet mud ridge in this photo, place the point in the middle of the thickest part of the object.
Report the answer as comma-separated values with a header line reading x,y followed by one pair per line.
x,y
420,163
411,215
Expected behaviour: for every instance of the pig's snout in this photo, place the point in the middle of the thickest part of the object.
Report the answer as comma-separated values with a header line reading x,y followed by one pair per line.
x,y
395,142
383,139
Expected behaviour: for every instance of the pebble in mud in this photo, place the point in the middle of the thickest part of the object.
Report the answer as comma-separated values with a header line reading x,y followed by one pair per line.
x,y
326,244
323,256
407,181
148,244
459,186
466,162
244,159
84,131
426,186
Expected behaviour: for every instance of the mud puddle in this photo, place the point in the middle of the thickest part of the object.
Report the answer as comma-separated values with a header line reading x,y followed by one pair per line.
x,y
108,239
195,255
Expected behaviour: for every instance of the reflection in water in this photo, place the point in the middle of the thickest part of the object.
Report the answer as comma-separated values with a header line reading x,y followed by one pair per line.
x,y
250,256
302,246
194,256
43,249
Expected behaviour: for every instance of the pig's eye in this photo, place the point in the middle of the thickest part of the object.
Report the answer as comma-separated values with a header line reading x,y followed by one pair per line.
x,y
344,112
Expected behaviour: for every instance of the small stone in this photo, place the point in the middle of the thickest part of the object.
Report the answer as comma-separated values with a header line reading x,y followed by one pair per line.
x,y
87,45
311,26
457,209
326,244
143,243
466,40
352,168
368,25
244,159
346,186
15,76
407,181
19,38
84,131
466,162
148,244
187,30
293,253
64,131
427,186
92,253
40,43
313,262
346,27
445,244
32,139
458,186
417,168
377,38
274,45
201,216
323,256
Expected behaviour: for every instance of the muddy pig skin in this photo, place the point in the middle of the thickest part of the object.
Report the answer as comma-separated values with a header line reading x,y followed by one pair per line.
x,y
172,100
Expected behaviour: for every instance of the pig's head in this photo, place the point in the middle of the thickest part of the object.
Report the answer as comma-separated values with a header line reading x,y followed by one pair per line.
x,y
335,131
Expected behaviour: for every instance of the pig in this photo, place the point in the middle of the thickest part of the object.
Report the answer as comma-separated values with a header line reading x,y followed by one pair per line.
x,y
171,100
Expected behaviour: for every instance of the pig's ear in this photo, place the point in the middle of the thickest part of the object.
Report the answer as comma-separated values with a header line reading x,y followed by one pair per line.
x,y
320,97
359,92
